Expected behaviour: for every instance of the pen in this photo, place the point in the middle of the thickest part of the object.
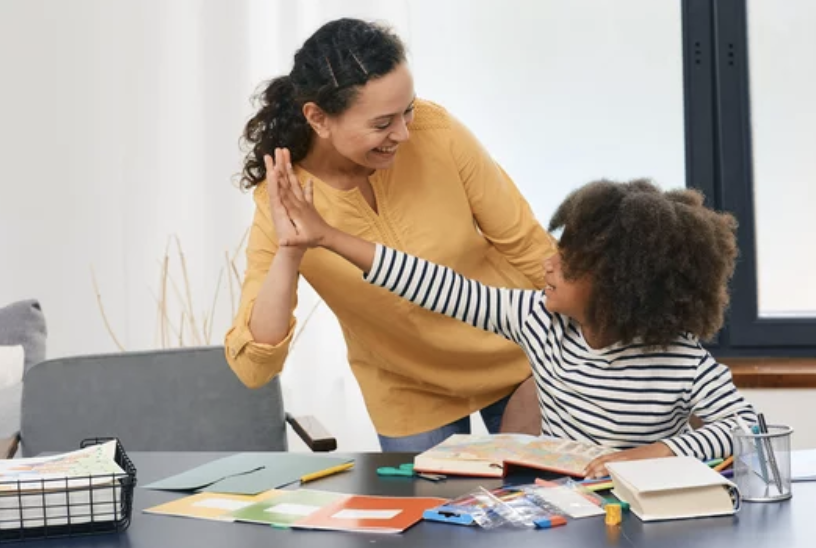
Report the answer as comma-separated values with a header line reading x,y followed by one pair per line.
x,y
326,472
763,427
760,453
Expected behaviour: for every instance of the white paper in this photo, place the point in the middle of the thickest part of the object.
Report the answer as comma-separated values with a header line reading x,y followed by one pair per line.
x,y
803,465
12,359
366,514
292,509
222,504
569,501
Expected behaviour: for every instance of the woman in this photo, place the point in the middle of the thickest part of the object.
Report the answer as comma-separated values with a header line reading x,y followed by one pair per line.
x,y
342,119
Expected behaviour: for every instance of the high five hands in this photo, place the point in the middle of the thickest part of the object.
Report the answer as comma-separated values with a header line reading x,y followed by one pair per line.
x,y
297,222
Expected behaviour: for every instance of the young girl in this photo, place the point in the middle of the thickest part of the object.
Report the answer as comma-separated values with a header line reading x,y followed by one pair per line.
x,y
613,339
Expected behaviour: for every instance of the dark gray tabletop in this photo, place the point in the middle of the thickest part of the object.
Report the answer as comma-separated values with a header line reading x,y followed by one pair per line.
x,y
790,524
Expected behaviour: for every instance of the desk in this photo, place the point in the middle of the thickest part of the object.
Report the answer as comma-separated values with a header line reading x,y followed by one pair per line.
x,y
789,524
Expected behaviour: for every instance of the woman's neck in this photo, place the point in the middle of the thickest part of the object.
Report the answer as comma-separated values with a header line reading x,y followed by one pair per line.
x,y
334,169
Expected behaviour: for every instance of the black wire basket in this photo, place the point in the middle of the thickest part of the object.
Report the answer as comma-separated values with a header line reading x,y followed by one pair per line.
x,y
69,507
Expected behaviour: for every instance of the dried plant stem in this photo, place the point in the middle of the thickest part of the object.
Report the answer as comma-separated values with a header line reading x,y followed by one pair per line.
x,y
209,326
102,311
181,330
193,327
163,297
229,284
304,324
232,262
167,323
240,245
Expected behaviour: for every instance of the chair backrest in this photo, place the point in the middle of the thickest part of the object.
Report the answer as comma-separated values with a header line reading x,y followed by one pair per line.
x,y
169,400
522,414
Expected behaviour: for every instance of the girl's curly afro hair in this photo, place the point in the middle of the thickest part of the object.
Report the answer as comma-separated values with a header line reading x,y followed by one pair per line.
x,y
660,261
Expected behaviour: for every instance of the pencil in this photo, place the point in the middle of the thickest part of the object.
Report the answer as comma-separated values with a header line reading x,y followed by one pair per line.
x,y
326,472
724,464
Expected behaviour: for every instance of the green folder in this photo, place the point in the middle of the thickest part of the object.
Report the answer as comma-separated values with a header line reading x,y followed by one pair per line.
x,y
286,509
248,473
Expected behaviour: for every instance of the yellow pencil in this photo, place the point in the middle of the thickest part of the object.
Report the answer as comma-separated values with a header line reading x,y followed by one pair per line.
x,y
327,472
724,464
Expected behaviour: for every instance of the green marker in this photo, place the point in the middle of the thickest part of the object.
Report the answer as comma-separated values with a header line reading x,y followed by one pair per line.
x,y
624,505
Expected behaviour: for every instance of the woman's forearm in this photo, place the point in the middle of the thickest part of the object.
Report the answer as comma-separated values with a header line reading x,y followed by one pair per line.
x,y
272,312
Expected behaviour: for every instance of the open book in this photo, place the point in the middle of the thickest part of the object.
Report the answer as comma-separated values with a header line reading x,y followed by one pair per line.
x,y
673,488
491,455
80,487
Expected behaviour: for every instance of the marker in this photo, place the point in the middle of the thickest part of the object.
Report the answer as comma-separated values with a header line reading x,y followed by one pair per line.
x,y
550,522
724,464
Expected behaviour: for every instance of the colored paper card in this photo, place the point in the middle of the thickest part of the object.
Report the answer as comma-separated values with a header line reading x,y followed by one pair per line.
x,y
286,509
212,506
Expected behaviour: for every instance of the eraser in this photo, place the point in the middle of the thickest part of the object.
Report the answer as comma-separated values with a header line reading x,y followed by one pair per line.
x,y
613,514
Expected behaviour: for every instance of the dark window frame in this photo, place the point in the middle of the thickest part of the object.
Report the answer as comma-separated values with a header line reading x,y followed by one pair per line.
x,y
719,163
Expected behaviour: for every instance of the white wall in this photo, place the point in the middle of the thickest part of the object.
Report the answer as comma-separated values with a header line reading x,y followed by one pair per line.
x,y
120,123
790,407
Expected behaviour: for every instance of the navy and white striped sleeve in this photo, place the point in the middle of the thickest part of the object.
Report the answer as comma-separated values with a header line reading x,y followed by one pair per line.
x,y
442,290
715,400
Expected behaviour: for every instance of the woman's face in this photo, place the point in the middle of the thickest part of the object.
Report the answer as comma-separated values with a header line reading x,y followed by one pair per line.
x,y
371,130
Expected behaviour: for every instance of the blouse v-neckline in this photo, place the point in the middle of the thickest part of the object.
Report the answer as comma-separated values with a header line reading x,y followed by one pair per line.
x,y
353,195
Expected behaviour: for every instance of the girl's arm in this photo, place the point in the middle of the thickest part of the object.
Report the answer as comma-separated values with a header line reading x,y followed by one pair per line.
x,y
434,287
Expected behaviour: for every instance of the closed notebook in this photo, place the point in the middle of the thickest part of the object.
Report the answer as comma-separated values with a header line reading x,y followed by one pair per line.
x,y
491,455
673,488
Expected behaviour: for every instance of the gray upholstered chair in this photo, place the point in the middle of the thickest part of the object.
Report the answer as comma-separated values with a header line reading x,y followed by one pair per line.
x,y
21,323
169,400
522,414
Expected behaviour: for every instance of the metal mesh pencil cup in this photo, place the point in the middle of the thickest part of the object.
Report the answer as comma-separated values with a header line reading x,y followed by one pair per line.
x,y
762,464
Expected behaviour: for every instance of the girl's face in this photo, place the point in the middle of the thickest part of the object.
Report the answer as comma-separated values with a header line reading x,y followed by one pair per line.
x,y
568,297
370,131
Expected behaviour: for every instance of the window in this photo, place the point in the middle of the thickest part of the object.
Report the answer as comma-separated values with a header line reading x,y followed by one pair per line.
x,y
749,82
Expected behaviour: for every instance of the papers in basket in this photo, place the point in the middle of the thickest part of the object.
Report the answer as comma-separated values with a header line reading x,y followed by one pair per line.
x,y
76,487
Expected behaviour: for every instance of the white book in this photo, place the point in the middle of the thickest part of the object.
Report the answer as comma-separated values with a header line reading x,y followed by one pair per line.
x,y
673,488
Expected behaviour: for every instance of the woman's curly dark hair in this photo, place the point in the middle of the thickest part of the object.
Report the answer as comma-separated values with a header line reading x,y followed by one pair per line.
x,y
660,261
329,69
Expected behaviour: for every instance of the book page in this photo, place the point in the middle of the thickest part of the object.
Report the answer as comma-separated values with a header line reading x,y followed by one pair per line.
x,y
95,460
